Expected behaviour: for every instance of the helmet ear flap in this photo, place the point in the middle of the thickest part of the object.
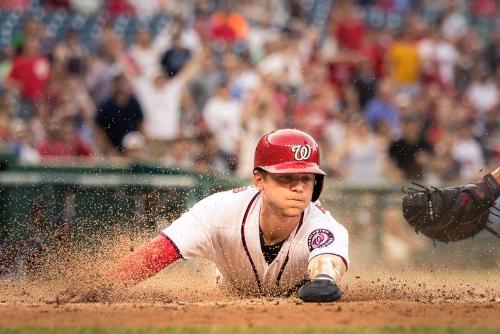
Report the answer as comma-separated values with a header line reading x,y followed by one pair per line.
x,y
318,187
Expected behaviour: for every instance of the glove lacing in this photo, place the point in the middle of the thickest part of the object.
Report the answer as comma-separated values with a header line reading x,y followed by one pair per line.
x,y
423,190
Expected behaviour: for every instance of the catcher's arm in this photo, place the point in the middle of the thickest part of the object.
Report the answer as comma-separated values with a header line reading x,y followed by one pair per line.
x,y
496,175
479,194
143,262
325,271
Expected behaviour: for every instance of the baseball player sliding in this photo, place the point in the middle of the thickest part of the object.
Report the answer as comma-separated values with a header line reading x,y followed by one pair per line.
x,y
272,238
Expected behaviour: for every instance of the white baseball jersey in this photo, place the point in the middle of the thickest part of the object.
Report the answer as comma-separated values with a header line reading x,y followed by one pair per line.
x,y
224,228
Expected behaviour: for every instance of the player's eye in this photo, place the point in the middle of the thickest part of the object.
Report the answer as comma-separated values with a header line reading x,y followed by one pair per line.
x,y
289,179
285,178
306,179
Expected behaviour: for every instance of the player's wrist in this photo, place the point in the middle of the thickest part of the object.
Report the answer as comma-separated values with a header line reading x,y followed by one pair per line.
x,y
324,277
491,185
324,265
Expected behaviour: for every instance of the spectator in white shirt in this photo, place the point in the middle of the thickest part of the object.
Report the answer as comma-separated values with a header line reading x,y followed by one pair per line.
x,y
439,58
483,93
261,114
468,153
222,117
454,25
284,65
160,97
145,54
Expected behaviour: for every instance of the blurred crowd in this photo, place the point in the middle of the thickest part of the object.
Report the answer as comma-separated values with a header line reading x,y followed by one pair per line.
x,y
392,89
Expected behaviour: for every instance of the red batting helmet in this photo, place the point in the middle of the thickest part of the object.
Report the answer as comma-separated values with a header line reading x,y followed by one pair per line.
x,y
290,151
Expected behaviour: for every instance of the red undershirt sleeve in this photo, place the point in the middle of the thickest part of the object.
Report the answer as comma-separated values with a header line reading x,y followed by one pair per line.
x,y
145,261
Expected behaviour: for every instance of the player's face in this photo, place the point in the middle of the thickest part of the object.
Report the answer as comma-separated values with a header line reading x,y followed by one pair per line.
x,y
290,194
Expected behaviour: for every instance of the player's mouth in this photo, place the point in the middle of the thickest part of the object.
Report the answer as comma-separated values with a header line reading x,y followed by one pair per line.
x,y
296,200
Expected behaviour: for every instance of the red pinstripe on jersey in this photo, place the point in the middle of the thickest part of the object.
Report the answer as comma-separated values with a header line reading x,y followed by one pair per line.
x,y
245,242
278,279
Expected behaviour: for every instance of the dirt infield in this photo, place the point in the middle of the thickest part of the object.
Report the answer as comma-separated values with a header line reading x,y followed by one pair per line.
x,y
431,298
282,313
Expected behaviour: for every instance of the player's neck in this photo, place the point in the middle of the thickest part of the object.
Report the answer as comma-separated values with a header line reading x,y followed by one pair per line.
x,y
275,227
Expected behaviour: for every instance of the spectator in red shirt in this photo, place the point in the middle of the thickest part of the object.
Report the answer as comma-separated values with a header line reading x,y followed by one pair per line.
x,y
228,27
120,7
311,114
56,4
62,141
28,74
373,49
485,8
348,27
20,5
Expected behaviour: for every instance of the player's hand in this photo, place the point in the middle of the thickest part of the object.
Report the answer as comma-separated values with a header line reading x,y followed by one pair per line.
x,y
91,295
319,291
66,297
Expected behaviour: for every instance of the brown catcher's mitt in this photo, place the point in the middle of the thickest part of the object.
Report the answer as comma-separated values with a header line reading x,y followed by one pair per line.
x,y
453,213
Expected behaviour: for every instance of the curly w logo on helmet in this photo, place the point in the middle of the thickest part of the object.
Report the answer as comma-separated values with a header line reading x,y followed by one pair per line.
x,y
301,152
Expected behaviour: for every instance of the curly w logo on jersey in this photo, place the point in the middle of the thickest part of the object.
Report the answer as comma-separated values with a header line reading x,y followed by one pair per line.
x,y
320,238
301,152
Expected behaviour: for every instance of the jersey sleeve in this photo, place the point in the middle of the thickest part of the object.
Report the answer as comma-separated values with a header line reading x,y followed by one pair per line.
x,y
331,238
192,233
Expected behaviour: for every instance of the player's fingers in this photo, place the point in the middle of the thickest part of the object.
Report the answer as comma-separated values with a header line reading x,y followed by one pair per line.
x,y
61,298
77,299
51,300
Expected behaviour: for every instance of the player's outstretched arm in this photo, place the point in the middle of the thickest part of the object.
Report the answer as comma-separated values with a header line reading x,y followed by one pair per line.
x,y
325,271
143,262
